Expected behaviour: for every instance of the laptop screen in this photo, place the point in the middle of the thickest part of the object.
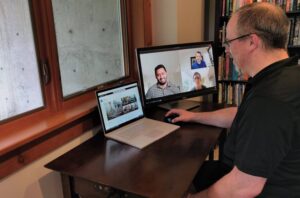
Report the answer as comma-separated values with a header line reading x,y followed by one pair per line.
x,y
119,105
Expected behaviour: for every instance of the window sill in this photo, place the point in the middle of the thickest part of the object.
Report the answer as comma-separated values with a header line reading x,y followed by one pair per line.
x,y
20,145
11,140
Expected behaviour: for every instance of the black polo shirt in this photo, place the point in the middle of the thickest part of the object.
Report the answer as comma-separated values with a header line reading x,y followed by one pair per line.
x,y
264,139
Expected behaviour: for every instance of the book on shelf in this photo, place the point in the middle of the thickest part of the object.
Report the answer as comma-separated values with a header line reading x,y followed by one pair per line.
x,y
230,6
294,35
231,93
227,70
222,32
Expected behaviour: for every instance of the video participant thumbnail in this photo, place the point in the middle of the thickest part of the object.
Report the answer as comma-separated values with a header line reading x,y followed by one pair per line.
x,y
118,107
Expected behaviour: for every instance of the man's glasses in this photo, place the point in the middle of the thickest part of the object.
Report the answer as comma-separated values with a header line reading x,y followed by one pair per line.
x,y
227,42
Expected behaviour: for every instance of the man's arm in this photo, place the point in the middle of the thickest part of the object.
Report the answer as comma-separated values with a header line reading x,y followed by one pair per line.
x,y
221,118
235,184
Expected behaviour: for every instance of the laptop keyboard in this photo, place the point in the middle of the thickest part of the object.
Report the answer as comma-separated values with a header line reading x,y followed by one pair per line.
x,y
139,130
134,131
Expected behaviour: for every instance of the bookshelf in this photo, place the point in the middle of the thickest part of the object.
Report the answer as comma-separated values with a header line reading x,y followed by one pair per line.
x,y
231,82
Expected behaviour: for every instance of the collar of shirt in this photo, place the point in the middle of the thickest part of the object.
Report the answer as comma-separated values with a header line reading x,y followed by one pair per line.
x,y
168,85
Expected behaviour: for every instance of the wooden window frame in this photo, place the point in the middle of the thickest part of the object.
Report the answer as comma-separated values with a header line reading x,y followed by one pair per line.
x,y
26,130
28,137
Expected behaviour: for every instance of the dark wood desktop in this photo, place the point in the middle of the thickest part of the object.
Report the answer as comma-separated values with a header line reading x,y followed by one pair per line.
x,y
165,168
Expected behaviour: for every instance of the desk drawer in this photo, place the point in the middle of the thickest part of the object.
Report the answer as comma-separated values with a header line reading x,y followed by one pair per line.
x,y
88,189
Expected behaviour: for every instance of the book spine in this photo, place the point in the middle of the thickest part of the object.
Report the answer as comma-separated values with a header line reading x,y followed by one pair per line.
x,y
234,5
295,4
227,63
220,90
227,7
230,68
235,72
292,30
288,6
225,88
298,24
235,94
223,7
229,94
296,32
223,32
283,4
220,68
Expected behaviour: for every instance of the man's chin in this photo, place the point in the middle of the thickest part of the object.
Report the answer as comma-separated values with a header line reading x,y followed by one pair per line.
x,y
162,83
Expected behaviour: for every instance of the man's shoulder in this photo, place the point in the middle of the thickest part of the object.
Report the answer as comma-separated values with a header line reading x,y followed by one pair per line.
x,y
195,65
283,85
151,91
152,88
172,85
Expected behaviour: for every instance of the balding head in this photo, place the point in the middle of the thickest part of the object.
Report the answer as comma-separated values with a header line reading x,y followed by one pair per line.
x,y
268,21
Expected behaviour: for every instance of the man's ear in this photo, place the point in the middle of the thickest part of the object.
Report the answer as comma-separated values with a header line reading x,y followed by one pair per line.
x,y
254,41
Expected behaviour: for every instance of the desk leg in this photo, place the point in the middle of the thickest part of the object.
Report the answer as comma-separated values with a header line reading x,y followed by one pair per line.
x,y
221,143
67,184
211,155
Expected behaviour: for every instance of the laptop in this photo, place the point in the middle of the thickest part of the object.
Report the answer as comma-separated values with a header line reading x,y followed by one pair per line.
x,y
123,118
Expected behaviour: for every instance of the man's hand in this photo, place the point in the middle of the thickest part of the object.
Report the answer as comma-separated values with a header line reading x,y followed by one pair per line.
x,y
220,118
183,115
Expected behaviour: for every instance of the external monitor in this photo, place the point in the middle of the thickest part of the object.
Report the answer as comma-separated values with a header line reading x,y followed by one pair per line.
x,y
171,73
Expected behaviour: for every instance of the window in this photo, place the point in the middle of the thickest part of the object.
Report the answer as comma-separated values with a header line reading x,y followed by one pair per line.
x,y
89,42
58,110
19,75
30,78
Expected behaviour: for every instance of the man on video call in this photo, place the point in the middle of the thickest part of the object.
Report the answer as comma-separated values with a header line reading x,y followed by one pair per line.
x,y
262,149
199,62
163,87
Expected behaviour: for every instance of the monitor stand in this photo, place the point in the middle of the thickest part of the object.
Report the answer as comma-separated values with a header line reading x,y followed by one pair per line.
x,y
180,104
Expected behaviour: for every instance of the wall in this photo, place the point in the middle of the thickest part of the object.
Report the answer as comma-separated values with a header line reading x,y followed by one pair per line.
x,y
190,20
164,22
179,21
35,181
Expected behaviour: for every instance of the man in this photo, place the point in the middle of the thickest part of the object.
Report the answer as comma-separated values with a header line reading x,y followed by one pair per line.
x,y
197,82
162,87
199,63
263,145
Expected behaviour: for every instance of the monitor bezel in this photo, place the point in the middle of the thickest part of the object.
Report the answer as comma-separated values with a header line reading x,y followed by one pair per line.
x,y
182,95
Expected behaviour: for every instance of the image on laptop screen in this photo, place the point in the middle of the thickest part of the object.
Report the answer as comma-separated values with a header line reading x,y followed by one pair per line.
x,y
119,106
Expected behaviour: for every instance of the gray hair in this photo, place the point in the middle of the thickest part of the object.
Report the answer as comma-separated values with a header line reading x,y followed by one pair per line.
x,y
268,21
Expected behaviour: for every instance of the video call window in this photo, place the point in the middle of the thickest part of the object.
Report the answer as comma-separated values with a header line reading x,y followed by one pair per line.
x,y
185,70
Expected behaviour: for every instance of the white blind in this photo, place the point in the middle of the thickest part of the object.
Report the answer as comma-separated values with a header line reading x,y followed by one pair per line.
x,y
20,89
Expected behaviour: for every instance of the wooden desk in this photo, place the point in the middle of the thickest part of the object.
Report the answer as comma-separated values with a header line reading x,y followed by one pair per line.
x,y
164,169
